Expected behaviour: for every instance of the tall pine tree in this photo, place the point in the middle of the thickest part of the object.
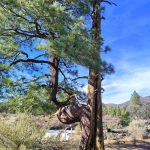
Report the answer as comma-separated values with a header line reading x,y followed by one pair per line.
x,y
43,37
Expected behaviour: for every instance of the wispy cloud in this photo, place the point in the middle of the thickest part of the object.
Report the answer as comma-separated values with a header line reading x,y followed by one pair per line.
x,y
126,30
119,88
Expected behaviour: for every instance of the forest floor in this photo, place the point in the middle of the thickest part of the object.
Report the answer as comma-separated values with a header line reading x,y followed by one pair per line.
x,y
128,144
122,144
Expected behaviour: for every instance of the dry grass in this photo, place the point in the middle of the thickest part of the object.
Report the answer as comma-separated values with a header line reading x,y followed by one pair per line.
x,y
23,133
138,129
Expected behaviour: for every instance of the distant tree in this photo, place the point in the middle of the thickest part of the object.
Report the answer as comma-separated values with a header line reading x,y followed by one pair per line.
x,y
135,99
146,111
134,105
121,113
124,116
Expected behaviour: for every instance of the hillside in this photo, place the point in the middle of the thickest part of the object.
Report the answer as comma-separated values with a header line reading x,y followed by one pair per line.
x,y
126,104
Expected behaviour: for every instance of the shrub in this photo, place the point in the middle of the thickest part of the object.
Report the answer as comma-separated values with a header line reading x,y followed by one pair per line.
x,y
23,133
119,112
138,128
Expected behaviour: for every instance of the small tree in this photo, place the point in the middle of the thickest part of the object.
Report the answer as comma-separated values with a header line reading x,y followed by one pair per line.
x,y
135,99
121,113
125,117
134,104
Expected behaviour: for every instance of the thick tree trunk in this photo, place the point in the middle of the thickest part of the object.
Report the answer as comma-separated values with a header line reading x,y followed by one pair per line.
x,y
89,116
77,113
96,141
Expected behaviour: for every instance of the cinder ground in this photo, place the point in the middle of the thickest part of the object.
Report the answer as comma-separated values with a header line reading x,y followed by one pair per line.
x,y
125,144
128,144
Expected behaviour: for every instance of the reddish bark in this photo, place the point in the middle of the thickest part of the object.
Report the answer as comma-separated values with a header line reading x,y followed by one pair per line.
x,y
89,116
54,79
77,113
96,141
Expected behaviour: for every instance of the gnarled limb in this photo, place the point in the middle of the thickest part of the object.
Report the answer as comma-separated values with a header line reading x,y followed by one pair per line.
x,y
77,113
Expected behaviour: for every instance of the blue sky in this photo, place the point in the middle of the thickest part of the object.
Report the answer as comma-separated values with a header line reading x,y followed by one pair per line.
x,y
127,31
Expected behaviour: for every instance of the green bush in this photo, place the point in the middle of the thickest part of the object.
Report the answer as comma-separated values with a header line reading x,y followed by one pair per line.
x,y
121,113
23,133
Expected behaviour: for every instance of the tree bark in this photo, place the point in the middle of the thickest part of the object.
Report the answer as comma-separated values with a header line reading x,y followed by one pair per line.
x,y
96,141
54,72
77,113
89,116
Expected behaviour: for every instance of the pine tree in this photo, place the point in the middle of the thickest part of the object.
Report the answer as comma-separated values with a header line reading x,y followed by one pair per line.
x,y
135,104
96,140
35,33
135,99
50,36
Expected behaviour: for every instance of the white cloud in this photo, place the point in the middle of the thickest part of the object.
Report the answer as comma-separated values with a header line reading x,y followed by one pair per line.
x,y
118,89
126,32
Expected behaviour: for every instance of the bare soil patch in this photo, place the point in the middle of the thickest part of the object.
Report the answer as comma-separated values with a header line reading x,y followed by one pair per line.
x,y
139,144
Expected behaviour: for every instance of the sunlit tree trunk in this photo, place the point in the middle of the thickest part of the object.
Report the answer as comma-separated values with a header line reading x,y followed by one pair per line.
x,y
96,141
89,116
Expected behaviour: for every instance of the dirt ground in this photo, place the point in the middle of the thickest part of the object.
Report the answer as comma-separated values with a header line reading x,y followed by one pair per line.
x,y
122,144
128,144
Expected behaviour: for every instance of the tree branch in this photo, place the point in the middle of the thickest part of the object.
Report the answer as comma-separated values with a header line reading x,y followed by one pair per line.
x,y
40,56
108,2
26,33
9,10
33,61
60,104
65,90
65,78
80,77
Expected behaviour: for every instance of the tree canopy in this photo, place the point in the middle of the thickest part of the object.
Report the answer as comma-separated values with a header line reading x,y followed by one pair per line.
x,y
33,31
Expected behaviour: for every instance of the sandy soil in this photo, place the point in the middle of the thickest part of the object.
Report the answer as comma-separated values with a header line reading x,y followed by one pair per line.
x,y
128,144
125,144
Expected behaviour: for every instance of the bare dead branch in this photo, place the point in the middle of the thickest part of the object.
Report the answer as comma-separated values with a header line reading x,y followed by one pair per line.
x,y
39,56
80,77
108,2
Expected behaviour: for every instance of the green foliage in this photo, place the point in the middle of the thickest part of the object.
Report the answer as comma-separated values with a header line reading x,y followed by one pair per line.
x,y
135,104
23,133
121,113
36,30
33,100
65,34
125,117
135,99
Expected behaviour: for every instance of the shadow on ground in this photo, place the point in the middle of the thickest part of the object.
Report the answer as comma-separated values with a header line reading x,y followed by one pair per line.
x,y
134,145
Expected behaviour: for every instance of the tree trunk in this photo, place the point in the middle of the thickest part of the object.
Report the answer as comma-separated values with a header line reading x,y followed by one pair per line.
x,y
96,141
54,75
89,116
77,113
54,72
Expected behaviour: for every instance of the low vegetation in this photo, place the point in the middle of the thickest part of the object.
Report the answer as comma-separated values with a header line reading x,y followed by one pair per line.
x,y
139,129
21,134
24,132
